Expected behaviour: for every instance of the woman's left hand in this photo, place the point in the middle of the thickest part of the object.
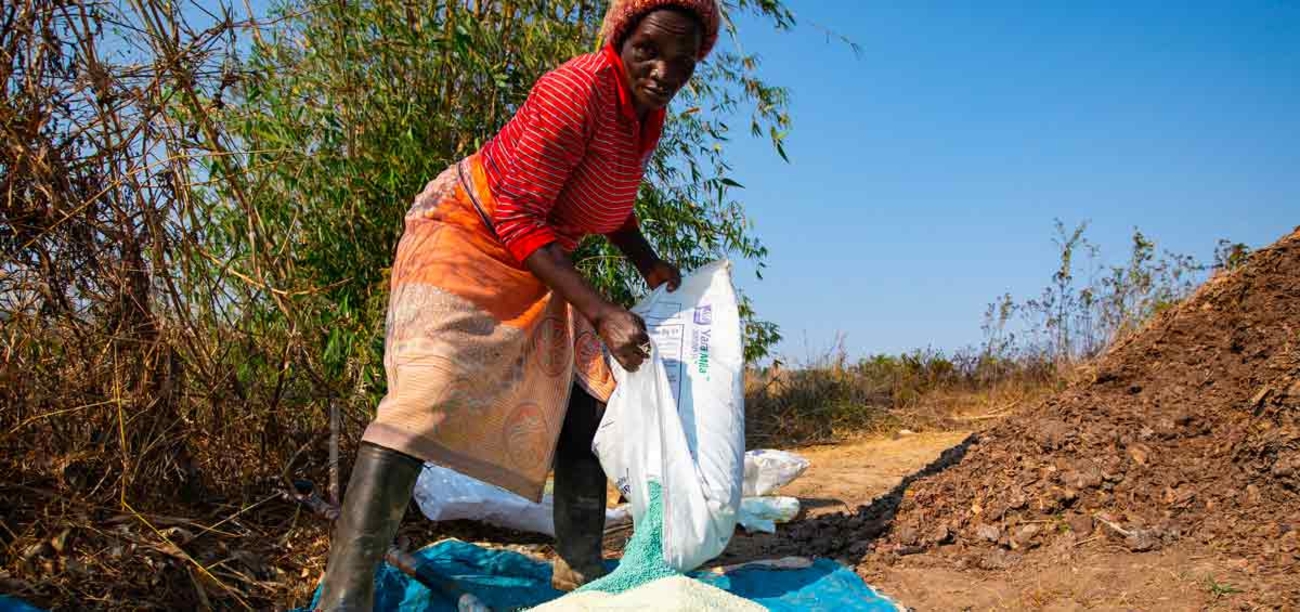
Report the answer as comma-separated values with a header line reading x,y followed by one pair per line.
x,y
661,272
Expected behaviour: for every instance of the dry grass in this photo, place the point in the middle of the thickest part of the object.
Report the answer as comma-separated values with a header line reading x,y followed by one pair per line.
x,y
834,400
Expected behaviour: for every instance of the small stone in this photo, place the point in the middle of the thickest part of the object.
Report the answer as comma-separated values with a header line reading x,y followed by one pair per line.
x,y
988,532
941,535
1141,540
1080,524
1252,494
1139,454
997,559
1025,535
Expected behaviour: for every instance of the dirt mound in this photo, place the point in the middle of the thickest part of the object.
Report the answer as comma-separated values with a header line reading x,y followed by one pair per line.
x,y
1188,431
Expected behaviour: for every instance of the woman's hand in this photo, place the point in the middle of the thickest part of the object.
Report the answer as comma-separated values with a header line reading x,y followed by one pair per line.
x,y
625,335
661,272
654,270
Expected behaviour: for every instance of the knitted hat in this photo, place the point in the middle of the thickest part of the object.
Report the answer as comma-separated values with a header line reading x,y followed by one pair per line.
x,y
623,14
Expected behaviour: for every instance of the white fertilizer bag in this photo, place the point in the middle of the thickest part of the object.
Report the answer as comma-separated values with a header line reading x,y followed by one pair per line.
x,y
680,418
444,494
767,470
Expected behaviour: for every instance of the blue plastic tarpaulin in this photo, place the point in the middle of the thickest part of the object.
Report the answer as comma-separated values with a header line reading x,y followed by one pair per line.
x,y
10,604
506,580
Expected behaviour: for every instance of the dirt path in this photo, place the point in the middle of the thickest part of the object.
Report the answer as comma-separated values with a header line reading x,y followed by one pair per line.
x,y
843,476
1081,576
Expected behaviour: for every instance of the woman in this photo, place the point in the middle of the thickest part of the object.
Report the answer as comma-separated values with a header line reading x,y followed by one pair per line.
x,y
493,348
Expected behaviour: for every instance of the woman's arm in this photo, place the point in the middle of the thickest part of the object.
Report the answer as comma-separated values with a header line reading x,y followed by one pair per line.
x,y
623,332
553,128
637,249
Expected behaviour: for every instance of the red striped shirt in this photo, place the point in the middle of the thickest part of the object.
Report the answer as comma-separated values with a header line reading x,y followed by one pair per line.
x,y
571,160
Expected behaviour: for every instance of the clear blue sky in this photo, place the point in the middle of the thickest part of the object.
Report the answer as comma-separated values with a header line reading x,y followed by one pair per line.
x,y
926,174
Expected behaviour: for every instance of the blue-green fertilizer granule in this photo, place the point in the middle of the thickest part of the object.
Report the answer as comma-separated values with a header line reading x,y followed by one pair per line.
x,y
643,557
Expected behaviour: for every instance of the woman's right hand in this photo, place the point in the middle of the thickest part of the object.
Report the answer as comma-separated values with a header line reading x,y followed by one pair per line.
x,y
625,335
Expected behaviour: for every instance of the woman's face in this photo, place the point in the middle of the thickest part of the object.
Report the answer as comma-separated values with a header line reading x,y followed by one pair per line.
x,y
659,56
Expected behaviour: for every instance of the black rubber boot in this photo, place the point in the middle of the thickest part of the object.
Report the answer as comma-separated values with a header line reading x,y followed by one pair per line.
x,y
579,496
377,495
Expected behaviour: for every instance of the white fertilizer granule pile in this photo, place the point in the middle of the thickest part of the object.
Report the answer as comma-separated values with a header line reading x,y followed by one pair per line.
x,y
672,594
643,581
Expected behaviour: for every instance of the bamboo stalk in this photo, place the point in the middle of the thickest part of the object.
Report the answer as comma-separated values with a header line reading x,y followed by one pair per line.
x,y
334,453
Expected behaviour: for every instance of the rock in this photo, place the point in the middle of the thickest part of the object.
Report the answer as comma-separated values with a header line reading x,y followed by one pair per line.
x,y
1025,535
1139,453
1080,524
988,532
997,559
908,536
1141,540
941,535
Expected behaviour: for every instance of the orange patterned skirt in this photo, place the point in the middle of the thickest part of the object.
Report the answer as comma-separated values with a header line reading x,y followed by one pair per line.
x,y
480,355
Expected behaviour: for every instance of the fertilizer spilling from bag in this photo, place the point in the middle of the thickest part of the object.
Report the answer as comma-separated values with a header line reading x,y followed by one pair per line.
x,y
643,556
673,441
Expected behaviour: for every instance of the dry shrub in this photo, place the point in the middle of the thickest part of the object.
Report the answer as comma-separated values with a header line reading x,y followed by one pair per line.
x,y
831,398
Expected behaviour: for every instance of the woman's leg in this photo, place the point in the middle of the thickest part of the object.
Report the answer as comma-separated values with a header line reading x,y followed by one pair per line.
x,y
579,495
377,495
